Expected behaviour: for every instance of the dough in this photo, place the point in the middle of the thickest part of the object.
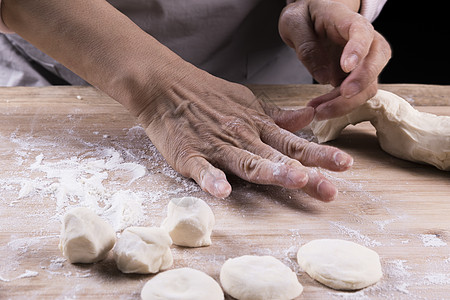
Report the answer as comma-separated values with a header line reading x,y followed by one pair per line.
x,y
182,284
402,131
259,278
339,264
189,222
85,237
143,250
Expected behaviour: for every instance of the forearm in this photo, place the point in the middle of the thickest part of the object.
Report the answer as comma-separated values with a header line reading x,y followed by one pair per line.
x,y
98,43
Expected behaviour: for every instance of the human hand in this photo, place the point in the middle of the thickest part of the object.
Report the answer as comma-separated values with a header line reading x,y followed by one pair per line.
x,y
204,126
201,124
338,46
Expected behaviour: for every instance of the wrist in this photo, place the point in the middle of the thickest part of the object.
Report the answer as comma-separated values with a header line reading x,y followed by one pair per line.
x,y
143,76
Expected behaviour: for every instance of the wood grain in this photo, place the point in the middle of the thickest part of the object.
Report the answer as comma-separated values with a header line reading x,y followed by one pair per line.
x,y
398,208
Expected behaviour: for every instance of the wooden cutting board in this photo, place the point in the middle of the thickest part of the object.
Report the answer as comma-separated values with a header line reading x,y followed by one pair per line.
x,y
61,146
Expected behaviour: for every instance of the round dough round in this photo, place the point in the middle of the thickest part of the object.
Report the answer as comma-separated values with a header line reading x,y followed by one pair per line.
x,y
182,284
259,277
340,264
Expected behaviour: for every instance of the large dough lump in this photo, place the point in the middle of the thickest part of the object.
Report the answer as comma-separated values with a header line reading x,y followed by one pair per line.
x,y
402,131
340,264
85,237
251,277
183,283
189,222
143,250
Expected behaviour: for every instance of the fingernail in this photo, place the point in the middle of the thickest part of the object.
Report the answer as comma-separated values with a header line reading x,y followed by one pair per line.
x,y
327,191
351,90
350,63
342,160
222,188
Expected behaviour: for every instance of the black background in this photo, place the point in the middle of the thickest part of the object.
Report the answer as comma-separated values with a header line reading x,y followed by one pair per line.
x,y
419,35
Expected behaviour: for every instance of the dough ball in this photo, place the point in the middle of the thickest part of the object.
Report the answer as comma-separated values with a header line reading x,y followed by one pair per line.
x,y
143,250
182,284
189,222
339,264
259,278
85,237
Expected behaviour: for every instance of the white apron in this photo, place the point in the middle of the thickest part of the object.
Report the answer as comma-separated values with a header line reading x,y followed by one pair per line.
x,y
236,40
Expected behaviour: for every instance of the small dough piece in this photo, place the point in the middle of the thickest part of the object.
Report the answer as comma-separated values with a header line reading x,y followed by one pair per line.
x,y
182,284
402,131
85,237
340,264
251,277
189,222
143,250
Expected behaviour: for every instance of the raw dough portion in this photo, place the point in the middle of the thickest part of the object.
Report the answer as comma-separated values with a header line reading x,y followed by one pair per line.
x,y
182,284
85,237
259,278
402,131
189,222
143,250
339,264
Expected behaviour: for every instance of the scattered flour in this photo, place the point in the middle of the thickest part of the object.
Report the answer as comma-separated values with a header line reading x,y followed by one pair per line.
x,y
432,240
80,182
28,274
438,278
398,269
356,234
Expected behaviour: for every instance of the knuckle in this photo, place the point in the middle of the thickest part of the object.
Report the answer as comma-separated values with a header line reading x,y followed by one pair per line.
x,y
306,51
187,166
251,166
292,146
386,51
233,125
372,90
372,71
309,152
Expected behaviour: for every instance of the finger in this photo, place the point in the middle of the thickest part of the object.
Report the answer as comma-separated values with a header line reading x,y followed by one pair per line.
x,y
311,154
359,36
257,169
369,68
307,153
209,178
341,105
334,93
319,187
291,120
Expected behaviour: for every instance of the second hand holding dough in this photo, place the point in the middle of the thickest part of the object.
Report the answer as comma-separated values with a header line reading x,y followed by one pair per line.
x,y
402,131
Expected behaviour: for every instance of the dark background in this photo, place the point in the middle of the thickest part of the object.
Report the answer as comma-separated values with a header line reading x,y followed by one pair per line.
x,y
419,35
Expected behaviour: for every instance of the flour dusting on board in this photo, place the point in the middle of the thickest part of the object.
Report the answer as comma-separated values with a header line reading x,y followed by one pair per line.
x,y
356,234
79,182
99,178
432,240
126,182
